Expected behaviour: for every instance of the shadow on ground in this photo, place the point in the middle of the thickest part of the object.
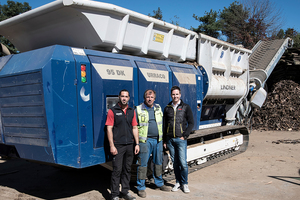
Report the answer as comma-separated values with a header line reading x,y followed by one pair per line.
x,y
48,182
288,179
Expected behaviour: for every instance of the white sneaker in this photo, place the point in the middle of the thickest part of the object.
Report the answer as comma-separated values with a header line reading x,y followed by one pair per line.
x,y
176,187
186,188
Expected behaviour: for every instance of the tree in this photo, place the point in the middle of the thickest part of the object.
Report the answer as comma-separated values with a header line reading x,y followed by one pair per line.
x,y
7,11
266,12
157,14
291,33
209,24
235,24
242,23
280,34
176,22
296,39
255,31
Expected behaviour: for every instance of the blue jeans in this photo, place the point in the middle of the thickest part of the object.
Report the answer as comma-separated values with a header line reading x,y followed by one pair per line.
x,y
178,148
152,146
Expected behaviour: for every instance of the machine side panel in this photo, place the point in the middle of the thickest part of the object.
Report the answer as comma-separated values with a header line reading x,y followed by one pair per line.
x,y
22,108
89,153
4,60
60,94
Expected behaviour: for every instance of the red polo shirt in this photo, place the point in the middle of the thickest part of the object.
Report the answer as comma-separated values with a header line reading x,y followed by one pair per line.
x,y
110,118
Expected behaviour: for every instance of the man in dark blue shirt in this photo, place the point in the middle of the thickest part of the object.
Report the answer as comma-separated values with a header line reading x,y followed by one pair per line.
x,y
150,119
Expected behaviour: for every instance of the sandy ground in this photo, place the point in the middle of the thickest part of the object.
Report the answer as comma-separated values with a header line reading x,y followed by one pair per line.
x,y
265,171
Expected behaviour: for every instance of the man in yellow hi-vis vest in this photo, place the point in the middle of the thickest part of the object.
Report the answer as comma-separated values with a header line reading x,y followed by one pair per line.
x,y
150,118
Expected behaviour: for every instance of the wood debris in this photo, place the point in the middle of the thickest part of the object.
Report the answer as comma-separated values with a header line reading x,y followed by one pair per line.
x,y
281,110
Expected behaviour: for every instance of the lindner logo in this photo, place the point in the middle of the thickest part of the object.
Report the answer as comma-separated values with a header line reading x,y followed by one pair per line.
x,y
227,87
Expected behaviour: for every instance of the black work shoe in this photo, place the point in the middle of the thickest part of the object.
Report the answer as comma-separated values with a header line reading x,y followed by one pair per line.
x,y
165,188
151,181
142,193
128,196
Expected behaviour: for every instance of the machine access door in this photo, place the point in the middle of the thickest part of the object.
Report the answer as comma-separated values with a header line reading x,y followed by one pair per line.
x,y
153,74
189,81
110,74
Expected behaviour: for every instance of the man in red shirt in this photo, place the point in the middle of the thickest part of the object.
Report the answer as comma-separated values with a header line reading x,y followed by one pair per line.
x,y
122,133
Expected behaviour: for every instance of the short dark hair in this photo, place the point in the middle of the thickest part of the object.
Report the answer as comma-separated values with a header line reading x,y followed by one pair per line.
x,y
175,87
124,90
145,93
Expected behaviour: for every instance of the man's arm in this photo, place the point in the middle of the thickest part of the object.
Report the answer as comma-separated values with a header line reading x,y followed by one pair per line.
x,y
136,138
190,120
113,149
164,129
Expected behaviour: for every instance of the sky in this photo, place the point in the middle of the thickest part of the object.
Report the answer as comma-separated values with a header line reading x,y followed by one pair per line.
x,y
184,9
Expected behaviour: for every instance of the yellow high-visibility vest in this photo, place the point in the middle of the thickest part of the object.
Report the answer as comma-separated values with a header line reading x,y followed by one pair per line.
x,y
143,118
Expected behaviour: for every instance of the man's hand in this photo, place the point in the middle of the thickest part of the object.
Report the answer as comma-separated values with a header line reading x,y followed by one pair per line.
x,y
165,145
136,149
135,131
113,150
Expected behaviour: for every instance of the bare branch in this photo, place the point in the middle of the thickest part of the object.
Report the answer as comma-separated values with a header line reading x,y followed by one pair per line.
x,y
267,12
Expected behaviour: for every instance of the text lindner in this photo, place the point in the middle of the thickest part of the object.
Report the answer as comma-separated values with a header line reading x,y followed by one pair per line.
x,y
227,87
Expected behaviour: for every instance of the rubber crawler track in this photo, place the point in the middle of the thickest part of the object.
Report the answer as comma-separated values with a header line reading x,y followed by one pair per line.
x,y
242,129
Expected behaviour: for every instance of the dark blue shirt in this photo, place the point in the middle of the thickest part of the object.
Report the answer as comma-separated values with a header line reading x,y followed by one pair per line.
x,y
152,128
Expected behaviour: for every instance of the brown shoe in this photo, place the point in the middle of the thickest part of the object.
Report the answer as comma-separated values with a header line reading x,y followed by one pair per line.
x,y
165,188
142,193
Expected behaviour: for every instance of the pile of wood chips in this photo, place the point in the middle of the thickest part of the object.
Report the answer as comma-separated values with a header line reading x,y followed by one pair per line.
x,y
281,110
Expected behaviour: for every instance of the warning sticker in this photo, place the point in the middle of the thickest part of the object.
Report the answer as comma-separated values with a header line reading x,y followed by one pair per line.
x,y
79,52
158,37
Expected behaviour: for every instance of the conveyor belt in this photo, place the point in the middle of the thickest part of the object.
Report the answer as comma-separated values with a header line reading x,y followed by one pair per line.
x,y
262,56
265,56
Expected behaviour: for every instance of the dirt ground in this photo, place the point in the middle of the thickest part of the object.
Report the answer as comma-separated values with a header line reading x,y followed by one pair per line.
x,y
265,171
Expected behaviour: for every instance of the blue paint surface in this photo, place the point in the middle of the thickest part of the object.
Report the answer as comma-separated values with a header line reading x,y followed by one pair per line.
x,y
74,112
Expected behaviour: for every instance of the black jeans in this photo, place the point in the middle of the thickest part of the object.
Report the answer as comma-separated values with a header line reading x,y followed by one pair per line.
x,y
121,169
